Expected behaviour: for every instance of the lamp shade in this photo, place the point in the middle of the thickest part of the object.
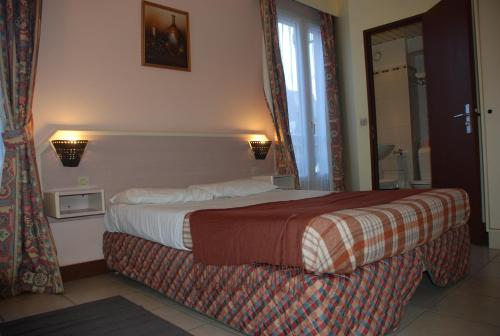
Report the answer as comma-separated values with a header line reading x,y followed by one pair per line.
x,y
70,152
260,148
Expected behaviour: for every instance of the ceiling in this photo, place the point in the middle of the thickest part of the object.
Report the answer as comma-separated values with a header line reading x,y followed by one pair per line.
x,y
408,31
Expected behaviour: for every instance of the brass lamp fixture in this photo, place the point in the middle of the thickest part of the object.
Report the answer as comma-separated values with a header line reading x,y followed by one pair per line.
x,y
260,148
70,152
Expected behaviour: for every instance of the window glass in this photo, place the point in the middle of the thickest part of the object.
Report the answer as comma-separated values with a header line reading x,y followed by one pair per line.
x,y
302,57
289,45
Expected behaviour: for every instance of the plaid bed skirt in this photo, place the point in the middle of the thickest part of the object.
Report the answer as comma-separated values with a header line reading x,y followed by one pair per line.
x,y
264,300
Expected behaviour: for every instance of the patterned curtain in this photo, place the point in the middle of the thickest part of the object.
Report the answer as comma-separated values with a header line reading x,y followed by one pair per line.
x,y
285,158
28,261
334,116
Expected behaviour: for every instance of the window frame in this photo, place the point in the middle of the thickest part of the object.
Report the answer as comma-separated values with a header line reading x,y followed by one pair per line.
x,y
307,22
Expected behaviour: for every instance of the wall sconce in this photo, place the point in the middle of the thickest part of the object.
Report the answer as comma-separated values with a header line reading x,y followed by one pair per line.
x,y
70,151
260,148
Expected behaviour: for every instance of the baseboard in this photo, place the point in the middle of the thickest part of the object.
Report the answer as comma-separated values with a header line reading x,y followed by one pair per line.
x,y
494,238
83,270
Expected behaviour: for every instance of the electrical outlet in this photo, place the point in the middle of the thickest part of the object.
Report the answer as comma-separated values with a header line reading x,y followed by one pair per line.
x,y
83,181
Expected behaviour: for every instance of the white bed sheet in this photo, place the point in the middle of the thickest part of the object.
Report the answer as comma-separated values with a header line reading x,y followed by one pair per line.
x,y
163,223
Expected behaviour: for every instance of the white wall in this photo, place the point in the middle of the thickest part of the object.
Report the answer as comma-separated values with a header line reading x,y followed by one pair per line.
x,y
488,49
355,16
392,54
392,103
415,48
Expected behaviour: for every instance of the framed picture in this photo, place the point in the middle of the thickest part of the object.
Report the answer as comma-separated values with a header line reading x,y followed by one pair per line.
x,y
165,37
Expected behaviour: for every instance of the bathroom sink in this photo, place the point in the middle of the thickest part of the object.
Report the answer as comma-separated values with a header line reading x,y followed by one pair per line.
x,y
384,150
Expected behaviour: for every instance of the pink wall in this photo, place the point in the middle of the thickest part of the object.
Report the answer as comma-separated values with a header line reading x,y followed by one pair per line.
x,y
90,74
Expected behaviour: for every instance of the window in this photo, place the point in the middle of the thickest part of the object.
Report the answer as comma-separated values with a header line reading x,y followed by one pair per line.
x,y
302,56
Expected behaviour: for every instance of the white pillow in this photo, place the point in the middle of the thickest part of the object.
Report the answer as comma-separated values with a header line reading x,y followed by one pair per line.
x,y
160,196
235,188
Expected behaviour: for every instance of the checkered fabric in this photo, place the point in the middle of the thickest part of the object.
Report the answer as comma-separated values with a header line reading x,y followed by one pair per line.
x,y
339,242
266,300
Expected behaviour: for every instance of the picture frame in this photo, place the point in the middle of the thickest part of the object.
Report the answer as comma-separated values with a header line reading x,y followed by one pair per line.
x,y
165,37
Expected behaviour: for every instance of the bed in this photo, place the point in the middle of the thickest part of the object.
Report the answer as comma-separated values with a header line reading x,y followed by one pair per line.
x,y
360,266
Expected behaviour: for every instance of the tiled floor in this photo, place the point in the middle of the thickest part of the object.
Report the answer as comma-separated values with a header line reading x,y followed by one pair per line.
x,y
471,307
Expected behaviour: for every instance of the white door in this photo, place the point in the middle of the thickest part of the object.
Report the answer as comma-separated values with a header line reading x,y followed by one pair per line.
x,y
489,59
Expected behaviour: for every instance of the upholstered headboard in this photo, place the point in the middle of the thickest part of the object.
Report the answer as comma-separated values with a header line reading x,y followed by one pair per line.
x,y
115,161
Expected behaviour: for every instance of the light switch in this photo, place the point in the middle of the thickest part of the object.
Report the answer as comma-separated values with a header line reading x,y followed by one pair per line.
x,y
83,181
363,122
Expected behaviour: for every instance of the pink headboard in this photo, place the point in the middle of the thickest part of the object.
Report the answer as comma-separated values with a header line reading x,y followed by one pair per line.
x,y
117,162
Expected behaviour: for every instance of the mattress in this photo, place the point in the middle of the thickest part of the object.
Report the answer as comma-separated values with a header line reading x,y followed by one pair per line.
x,y
168,224
336,242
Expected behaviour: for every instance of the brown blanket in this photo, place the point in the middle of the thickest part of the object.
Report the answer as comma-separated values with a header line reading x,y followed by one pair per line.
x,y
271,233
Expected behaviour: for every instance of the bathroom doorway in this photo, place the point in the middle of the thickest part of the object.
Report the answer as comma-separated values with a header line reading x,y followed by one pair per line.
x,y
399,118
449,153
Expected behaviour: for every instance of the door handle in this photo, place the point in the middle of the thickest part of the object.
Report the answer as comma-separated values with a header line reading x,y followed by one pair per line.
x,y
467,119
468,114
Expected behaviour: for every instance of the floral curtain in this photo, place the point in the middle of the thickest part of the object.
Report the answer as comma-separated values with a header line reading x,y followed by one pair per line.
x,y
285,158
28,261
332,96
